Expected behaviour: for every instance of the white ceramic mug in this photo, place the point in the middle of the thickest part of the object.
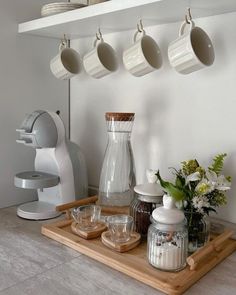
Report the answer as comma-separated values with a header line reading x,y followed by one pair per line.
x,y
101,61
66,63
192,51
143,57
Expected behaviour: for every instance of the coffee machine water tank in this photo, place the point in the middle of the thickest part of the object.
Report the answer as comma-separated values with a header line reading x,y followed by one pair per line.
x,y
60,174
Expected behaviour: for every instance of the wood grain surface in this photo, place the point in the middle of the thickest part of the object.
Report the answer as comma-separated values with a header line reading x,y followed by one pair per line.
x,y
134,262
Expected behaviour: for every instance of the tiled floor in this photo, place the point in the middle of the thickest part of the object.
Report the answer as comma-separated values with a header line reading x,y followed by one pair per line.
x,y
33,264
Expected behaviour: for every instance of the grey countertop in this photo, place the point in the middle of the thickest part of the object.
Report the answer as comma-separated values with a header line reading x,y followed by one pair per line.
x,y
30,263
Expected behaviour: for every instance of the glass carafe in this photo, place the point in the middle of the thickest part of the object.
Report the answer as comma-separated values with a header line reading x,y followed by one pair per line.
x,y
117,177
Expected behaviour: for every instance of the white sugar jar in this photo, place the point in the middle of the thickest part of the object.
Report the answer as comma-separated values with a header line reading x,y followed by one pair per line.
x,y
167,237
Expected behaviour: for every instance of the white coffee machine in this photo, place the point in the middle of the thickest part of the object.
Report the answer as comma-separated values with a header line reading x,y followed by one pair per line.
x,y
60,174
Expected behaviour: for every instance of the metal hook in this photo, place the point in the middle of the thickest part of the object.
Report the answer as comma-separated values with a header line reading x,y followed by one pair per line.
x,y
188,16
140,29
64,43
140,26
99,35
64,40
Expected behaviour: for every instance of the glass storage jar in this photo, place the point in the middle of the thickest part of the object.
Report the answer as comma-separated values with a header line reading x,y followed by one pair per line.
x,y
168,237
147,197
117,177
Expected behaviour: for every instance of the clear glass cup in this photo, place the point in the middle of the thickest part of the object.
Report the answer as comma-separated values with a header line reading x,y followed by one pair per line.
x,y
117,177
120,228
87,217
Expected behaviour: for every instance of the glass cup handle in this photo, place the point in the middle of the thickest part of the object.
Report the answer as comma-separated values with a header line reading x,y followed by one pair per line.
x,y
103,219
74,216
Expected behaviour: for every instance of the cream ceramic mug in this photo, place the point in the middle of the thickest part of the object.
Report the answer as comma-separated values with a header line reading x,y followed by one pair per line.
x,y
101,61
66,64
143,57
192,51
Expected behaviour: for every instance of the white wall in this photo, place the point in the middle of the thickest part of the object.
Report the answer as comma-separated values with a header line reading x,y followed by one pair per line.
x,y
26,84
177,117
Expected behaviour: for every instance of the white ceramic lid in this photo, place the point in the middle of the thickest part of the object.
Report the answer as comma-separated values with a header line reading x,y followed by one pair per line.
x,y
149,189
168,213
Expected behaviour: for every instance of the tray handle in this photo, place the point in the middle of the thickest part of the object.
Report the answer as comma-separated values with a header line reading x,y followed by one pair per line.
x,y
214,245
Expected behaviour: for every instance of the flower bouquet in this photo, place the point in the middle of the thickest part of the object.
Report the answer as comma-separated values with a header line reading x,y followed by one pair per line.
x,y
198,191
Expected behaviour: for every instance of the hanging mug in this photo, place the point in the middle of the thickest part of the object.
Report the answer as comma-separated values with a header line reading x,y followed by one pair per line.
x,y
144,56
101,60
192,50
67,63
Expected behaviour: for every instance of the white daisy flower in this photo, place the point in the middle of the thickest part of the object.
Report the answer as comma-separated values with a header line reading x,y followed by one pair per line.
x,y
199,202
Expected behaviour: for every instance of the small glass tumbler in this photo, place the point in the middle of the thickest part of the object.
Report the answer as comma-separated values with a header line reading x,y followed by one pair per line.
x,y
87,216
120,228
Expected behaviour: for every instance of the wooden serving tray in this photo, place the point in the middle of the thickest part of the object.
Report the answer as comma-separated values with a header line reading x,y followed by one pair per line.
x,y
134,263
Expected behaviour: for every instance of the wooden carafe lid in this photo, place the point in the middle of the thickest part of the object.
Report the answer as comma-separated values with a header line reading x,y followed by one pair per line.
x,y
119,116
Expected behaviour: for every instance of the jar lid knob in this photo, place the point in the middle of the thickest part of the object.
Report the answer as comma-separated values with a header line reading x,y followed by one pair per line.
x,y
151,175
168,214
168,202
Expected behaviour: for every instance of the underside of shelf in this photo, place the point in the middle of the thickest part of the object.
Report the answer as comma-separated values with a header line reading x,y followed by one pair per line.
x,y
120,15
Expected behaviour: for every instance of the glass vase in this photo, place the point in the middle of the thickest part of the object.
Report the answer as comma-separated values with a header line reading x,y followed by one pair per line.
x,y
198,230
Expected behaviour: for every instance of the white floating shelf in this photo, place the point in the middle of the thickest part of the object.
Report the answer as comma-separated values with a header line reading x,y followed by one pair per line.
x,y
119,15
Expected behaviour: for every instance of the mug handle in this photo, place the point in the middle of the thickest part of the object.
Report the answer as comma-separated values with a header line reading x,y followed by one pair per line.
x,y
62,45
139,32
183,26
98,38
96,42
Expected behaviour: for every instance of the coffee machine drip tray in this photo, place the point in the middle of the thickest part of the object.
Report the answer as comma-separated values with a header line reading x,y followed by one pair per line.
x,y
35,180
37,210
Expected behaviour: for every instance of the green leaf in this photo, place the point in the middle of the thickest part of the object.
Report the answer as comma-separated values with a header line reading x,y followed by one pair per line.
x,y
180,181
211,209
171,189
218,163
229,178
